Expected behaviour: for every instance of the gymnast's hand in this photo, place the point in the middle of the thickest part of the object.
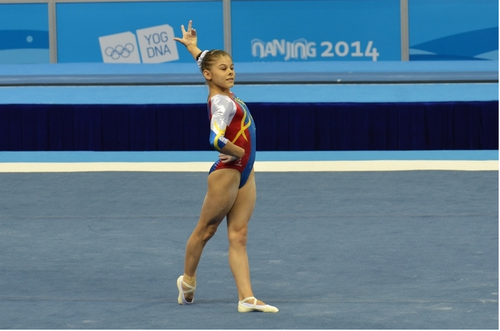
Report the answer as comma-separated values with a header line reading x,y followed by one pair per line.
x,y
224,158
189,37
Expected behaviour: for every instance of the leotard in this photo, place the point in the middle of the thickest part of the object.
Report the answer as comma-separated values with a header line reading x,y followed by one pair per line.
x,y
230,120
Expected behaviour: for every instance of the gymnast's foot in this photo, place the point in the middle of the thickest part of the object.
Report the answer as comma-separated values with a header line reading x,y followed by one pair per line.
x,y
251,304
186,291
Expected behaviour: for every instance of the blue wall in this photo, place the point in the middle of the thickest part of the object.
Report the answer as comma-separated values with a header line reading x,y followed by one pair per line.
x,y
78,41
24,33
453,30
314,30
342,30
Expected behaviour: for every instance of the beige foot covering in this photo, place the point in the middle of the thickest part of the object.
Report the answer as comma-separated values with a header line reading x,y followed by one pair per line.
x,y
245,307
181,299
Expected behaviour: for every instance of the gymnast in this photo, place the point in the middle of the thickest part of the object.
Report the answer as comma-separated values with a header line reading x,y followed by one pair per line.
x,y
231,192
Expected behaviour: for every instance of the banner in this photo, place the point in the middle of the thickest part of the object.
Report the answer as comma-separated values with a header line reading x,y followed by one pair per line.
x,y
338,30
134,32
453,30
261,30
24,34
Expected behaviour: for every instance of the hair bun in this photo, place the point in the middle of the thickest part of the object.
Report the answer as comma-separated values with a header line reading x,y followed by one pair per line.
x,y
200,58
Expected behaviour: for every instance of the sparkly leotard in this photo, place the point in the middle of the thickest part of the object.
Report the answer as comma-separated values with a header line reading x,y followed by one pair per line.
x,y
230,120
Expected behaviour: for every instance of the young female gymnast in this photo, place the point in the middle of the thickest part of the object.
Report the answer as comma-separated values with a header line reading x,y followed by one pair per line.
x,y
231,190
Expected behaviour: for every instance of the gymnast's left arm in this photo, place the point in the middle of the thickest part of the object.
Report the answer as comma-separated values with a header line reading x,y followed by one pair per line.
x,y
222,109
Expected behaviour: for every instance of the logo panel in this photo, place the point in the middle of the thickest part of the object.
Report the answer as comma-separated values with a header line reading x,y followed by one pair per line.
x,y
119,48
157,44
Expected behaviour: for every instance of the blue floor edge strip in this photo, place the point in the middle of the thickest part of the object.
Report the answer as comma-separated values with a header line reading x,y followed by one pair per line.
x,y
301,93
209,156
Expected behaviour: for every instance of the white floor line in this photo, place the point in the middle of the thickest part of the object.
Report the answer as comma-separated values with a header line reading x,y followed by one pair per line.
x,y
260,166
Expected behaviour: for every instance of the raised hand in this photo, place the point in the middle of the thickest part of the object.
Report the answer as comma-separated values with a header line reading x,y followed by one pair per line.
x,y
189,37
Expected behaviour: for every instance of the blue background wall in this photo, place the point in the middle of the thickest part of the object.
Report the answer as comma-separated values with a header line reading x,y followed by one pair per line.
x,y
334,30
24,33
78,41
453,29
469,31
319,30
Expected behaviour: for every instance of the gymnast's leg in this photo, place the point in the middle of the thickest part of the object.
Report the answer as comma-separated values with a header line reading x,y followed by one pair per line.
x,y
221,194
237,225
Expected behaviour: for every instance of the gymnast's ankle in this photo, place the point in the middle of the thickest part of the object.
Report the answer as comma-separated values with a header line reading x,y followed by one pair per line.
x,y
191,280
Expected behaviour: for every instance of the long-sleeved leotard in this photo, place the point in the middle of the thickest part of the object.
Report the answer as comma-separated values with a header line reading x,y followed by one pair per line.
x,y
230,120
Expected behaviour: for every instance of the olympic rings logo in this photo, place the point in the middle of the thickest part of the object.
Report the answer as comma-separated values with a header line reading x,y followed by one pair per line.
x,y
119,51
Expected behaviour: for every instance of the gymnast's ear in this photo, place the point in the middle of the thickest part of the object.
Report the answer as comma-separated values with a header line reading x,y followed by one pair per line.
x,y
207,74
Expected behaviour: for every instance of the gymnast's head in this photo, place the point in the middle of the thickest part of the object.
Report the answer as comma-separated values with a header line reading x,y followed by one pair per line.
x,y
217,68
207,59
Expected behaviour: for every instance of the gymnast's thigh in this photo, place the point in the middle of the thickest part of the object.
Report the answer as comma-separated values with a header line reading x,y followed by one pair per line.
x,y
243,206
221,193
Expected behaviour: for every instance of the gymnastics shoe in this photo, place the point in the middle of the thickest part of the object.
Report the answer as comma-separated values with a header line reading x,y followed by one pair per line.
x,y
244,307
181,299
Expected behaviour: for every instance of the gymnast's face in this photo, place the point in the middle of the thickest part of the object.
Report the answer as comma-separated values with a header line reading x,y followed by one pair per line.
x,y
221,73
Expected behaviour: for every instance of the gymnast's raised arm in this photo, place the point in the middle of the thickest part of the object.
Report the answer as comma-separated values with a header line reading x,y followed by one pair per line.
x,y
190,40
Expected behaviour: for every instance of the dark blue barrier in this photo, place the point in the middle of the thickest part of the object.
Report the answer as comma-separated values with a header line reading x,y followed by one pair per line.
x,y
280,126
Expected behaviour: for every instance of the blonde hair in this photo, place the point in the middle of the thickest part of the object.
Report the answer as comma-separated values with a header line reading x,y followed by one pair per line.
x,y
207,59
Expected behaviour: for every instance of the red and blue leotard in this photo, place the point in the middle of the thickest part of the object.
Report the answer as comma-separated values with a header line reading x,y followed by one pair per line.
x,y
230,120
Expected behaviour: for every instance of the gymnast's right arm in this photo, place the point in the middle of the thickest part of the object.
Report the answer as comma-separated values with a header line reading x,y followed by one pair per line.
x,y
223,110
190,40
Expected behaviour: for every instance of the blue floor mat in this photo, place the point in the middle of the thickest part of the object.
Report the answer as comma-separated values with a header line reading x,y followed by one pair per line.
x,y
339,250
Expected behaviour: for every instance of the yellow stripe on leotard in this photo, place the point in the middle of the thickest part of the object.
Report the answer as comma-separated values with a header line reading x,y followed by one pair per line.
x,y
243,127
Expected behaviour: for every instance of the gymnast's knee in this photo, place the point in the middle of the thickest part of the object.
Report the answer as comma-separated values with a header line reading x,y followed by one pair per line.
x,y
238,237
206,233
